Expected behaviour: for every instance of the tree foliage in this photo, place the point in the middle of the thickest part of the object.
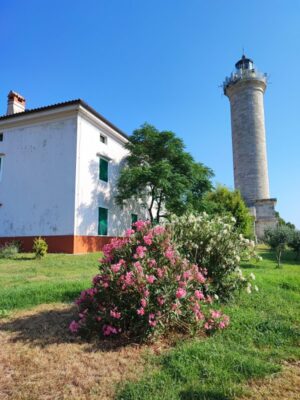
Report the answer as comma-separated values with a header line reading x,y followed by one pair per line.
x,y
161,174
294,243
223,201
282,222
278,238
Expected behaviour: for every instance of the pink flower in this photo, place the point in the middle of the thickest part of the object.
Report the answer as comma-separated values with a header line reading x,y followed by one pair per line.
x,y
144,303
200,278
199,316
207,326
160,272
129,232
151,316
152,323
152,263
169,253
148,239
186,274
115,314
141,311
108,330
140,252
160,300
150,278
74,326
182,284
139,225
215,314
115,267
199,295
158,230
138,267
146,293
129,279
97,279
180,293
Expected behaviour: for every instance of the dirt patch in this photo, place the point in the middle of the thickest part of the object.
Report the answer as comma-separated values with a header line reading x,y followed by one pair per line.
x,y
39,359
281,386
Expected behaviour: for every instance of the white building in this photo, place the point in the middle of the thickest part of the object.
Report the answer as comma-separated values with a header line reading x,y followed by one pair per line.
x,y
58,170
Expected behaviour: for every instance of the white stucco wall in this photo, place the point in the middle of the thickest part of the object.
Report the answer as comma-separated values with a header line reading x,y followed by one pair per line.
x,y
91,192
37,189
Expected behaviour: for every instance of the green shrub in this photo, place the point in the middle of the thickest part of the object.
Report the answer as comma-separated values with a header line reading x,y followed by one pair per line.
x,y
213,242
294,243
223,201
278,238
40,247
9,250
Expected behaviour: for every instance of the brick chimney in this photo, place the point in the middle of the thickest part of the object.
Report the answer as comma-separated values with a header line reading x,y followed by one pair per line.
x,y
15,103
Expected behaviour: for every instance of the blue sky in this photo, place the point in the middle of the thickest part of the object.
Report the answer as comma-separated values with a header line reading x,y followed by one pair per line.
x,y
162,61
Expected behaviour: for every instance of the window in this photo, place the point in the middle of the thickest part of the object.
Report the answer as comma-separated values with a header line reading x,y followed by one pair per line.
x,y
102,221
134,218
1,166
103,139
103,169
1,137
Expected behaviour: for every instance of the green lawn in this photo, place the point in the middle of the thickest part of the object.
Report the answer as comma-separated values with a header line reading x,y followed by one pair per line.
x,y
26,282
264,326
264,330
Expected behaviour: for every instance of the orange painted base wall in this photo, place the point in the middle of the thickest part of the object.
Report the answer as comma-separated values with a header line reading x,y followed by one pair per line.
x,y
63,244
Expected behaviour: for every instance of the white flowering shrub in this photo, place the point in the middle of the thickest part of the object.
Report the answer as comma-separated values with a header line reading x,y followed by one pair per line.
x,y
213,243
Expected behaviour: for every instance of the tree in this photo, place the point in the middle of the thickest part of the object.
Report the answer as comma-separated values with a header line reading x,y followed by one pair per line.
x,y
229,202
278,238
161,174
294,243
282,222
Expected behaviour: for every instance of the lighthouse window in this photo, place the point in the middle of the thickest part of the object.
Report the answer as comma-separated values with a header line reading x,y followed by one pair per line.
x,y
1,166
1,137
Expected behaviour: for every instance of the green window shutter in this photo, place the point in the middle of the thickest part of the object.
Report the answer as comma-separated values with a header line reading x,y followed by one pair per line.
x,y
103,170
134,218
102,221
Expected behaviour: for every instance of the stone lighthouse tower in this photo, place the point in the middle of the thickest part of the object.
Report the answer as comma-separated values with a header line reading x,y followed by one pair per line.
x,y
245,89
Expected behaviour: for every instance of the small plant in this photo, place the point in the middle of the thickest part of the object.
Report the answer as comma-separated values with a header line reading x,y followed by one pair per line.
x,y
146,288
213,242
294,243
9,250
40,247
278,238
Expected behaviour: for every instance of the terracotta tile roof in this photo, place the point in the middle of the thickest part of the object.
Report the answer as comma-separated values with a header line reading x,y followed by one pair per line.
x,y
61,105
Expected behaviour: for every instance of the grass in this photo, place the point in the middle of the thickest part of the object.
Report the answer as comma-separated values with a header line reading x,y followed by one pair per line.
x,y
264,331
26,282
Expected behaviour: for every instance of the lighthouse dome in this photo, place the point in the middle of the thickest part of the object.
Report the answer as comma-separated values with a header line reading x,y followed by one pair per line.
x,y
244,63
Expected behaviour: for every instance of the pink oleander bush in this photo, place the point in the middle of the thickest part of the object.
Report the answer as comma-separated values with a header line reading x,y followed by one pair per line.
x,y
145,288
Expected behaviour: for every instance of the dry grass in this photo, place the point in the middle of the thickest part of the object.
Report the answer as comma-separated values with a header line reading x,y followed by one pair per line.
x,y
282,386
39,359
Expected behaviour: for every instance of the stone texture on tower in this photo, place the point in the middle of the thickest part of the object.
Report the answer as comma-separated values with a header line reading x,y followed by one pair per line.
x,y
245,89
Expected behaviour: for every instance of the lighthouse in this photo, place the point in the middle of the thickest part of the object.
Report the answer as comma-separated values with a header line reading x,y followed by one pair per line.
x,y
245,88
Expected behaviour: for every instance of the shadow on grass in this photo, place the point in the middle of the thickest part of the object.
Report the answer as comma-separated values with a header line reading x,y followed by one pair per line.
x,y
202,395
50,327
288,257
